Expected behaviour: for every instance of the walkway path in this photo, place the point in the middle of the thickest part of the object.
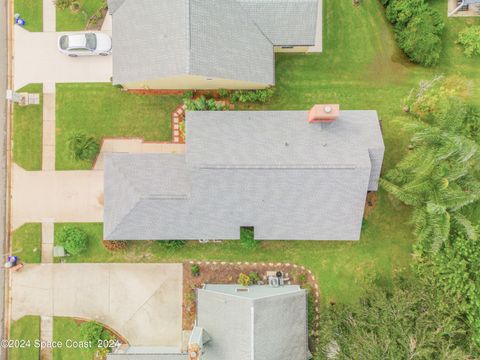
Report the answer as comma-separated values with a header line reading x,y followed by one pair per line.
x,y
46,335
143,302
48,151
49,16
47,241
135,145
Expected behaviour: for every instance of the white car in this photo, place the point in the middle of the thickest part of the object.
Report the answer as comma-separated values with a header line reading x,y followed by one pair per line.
x,y
85,44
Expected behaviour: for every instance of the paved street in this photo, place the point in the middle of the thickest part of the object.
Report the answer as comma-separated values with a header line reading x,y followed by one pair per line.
x,y
143,302
3,87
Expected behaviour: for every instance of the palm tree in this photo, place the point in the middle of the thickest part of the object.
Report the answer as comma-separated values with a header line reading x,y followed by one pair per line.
x,y
439,178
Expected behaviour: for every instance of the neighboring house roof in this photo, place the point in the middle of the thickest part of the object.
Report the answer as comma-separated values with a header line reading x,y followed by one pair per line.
x,y
215,38
284,22
263,323
289,179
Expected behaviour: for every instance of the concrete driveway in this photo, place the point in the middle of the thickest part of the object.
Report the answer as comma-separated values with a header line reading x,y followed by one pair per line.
x,y
37,60
143,302
56,196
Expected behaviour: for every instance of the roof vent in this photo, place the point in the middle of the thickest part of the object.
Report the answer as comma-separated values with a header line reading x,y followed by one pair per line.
x,y
324,113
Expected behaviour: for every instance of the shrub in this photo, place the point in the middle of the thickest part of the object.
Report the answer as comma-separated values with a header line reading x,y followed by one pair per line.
x,y
74,240
420,39
223,93
254,277
172,244
188,95
114,245
469,38
63,4
252,96
418,29
195,270
202,104
247,238
91,331
244,279
83,147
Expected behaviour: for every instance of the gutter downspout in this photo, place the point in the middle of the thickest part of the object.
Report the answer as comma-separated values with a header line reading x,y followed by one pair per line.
x,y
456,9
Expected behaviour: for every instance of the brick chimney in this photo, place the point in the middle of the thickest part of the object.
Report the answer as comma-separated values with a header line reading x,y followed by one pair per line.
x,y
325,113
194,352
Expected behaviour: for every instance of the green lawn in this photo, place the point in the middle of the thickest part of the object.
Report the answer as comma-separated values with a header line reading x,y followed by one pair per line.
x,y
26,329
27,243
105,111
360,68
68,20
27,132
69,329
32,12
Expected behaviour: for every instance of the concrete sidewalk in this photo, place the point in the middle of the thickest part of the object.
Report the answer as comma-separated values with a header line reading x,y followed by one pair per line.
x,y
143,302
59,196
37,60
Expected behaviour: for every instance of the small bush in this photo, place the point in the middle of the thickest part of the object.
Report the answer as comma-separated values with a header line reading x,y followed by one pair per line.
x,y
254,277
244,279
247,238
83,147
202,104
188,95
172,244
91,331
73,239
469,38
114,245
195,270
223,93
63,4
252,96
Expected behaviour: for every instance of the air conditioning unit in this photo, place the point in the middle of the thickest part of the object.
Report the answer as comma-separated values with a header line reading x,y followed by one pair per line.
x,y
273,281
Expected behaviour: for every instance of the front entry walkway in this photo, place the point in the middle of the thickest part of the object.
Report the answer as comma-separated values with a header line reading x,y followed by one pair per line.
x,y
37,60
143,302
56,196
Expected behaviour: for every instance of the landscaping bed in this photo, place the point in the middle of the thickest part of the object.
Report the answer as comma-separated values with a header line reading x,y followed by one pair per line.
x,y
198,273
27,131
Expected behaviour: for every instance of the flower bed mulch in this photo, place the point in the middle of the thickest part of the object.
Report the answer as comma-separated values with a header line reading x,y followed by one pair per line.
x,y
212,272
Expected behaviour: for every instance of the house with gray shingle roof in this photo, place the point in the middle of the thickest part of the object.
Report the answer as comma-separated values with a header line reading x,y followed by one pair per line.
x,y
237,323
208,44
284,173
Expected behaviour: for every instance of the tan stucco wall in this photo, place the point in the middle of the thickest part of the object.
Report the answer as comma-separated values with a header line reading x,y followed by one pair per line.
x,y
193,82
295,49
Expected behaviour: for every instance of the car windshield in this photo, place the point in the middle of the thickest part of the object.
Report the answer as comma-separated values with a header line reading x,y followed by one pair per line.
x,y
64,42
91,41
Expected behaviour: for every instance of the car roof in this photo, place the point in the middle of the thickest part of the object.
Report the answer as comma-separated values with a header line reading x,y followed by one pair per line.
x,y
77,41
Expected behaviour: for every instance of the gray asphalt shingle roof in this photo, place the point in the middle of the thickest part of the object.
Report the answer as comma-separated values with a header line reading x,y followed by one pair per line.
x,y
272,170
225,39
270,326
284,22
